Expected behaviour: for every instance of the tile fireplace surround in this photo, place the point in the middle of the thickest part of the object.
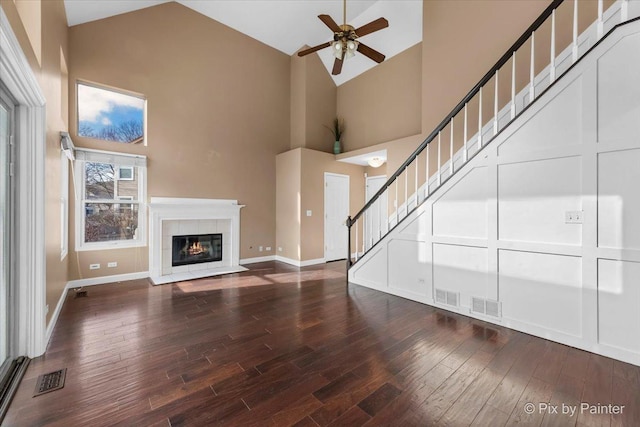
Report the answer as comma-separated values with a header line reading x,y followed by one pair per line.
x,y
169,216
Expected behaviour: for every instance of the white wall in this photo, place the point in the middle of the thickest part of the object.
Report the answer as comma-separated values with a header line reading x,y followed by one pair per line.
x,y
497,230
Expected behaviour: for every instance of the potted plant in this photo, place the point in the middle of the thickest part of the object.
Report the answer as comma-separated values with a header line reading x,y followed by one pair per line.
x,y
337,130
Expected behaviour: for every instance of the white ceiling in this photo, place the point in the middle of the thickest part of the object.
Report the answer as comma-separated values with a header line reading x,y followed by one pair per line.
x,y
287,25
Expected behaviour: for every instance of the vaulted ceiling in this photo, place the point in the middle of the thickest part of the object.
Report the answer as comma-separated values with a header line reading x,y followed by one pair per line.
x,y
287,25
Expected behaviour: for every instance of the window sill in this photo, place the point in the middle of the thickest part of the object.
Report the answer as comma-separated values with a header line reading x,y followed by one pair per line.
x,y
102,246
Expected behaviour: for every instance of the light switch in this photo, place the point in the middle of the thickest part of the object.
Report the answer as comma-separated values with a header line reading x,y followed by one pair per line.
x,y
308,213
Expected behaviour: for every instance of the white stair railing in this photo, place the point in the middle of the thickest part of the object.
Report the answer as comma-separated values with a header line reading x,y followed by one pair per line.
x,y
368,233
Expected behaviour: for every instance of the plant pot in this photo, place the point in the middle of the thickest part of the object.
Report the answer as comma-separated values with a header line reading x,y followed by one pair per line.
x,y
337,147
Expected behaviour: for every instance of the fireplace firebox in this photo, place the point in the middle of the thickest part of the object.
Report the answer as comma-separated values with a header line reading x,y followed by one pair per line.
x,y
196,249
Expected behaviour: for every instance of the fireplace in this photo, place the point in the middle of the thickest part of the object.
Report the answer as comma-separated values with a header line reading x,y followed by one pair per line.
x,y
171,217
196,249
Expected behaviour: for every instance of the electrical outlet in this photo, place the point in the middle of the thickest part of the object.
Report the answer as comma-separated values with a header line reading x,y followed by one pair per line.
x,y
573,217
309,213
112,264
279,248
260,248
46,309
94,266
268,248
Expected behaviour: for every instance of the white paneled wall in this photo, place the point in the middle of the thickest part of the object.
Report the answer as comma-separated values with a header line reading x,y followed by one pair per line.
x,y
498,229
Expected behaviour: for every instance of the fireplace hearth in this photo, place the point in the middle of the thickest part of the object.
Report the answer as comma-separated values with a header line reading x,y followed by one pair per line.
x,y
196,249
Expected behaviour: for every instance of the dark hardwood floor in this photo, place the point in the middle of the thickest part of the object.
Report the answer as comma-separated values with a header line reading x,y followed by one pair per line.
x,y
282,346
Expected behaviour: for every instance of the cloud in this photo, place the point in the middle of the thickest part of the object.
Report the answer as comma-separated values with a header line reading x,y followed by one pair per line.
x,y
105,121
94,102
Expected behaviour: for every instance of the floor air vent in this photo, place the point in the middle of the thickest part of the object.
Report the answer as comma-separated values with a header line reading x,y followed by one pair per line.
x,y
80,293
486,306
50,382
447,297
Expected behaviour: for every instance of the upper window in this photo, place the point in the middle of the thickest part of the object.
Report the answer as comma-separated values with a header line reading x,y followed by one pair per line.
x,y
106,180
110,115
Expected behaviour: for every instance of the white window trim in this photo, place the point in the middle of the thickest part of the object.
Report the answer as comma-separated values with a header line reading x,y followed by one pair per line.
x,y
120,178
64,205
30,268
141,232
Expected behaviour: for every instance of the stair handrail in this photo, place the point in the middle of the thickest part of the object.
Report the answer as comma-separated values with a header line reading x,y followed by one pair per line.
x,y
473,92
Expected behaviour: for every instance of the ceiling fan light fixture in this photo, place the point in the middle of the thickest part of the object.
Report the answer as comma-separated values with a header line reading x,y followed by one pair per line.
x,y
352,46
376,162
337,49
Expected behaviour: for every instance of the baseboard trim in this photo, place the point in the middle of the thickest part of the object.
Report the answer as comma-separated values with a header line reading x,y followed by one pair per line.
x,y
107,279
257,259
54,316
300,263
86,282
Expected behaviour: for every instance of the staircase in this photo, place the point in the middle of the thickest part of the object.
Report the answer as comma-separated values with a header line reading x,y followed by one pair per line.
x,y
521,207
431,164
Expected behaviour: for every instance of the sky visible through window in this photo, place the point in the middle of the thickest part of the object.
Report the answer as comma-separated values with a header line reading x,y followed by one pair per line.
x,y
109,115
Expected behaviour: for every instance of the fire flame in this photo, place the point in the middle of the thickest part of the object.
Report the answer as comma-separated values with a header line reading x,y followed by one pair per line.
x,y
196,249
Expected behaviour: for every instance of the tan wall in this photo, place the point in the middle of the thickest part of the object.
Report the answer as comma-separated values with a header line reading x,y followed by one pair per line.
x,y
51,40
455,57
382,104
212,113
301,188
298,101
288,175
314,165
313,104
320,105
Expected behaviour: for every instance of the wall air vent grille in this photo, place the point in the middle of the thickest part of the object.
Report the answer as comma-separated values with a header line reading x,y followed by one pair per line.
x,y
447,297
486,306
493,308
452,298
477,305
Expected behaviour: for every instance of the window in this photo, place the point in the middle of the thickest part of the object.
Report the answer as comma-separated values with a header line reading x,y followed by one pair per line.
x,y
125,173
110,114
102,220
64,205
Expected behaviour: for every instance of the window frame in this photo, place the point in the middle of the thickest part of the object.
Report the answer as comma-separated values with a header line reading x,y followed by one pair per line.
x,y
81,202
64,205
120,168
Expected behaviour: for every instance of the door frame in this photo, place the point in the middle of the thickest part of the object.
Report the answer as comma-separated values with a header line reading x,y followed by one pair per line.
x,y
324,218
8,227
29,268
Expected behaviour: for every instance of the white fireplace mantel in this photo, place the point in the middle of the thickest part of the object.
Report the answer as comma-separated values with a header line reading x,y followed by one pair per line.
x,y
163,209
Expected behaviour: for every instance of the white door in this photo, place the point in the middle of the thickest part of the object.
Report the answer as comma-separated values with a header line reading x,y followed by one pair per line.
x,y
376,218
336,211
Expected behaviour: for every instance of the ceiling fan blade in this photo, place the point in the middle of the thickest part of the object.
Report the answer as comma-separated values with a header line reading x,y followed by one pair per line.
x,y
337,67
329,22
314,49
372,26
371,53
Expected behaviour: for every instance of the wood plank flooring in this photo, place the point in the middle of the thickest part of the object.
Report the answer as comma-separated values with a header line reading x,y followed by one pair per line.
x,y
281,346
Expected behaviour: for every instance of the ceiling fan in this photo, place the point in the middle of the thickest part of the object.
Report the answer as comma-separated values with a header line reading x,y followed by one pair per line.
x,y
345,40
